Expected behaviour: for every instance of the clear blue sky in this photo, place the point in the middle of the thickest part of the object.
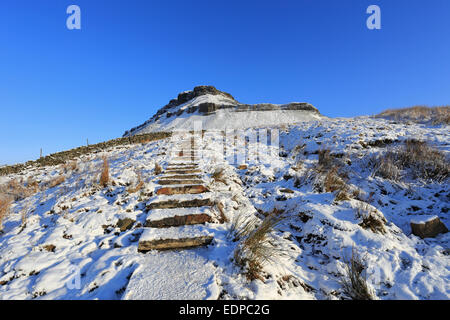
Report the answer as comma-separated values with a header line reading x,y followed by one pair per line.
x,y
59,87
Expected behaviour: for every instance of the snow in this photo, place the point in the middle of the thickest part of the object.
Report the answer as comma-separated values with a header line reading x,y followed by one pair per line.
x,y
423,220
181,197
159,214
177,275
183,232
79,218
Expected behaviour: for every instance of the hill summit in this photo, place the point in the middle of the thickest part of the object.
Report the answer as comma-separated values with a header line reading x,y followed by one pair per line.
x,y
218,110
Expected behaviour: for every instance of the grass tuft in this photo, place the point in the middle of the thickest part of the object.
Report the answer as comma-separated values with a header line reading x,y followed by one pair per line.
x,y
370,218
138,186
256,247
158,169
104,177
422,160
354,281
5,205
219,176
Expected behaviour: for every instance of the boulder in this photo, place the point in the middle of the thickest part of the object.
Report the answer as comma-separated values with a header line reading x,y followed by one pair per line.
x,y
125,224
428,227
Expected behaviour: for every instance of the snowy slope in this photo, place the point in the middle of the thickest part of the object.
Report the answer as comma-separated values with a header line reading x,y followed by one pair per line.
x,y
72,228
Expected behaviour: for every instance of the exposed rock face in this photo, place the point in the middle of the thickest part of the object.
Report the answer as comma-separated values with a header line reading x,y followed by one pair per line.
x,y
300,106
182,98
428,228
197,92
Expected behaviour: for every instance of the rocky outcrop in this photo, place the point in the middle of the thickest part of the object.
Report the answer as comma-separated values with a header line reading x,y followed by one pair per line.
x,y
181,99
299,106
210,107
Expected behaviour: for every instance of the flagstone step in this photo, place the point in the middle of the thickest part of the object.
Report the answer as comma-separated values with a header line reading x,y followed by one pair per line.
x,y
172,167
174,238
186,189
183,171
164,218
180,201
182,164
184,153
193,160
166,181
181,177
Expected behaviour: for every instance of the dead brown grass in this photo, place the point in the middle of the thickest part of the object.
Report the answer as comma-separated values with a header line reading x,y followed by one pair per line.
x,y
5,205
386,168
18,190
158,169
138,186
370,218
70,166
56,181
219,176
104,177
32,185
256,247
435,115
354,281
422,160
325,158
332,179
222,217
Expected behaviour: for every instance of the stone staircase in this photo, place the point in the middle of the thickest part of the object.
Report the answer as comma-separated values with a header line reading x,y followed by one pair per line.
x,y
181,206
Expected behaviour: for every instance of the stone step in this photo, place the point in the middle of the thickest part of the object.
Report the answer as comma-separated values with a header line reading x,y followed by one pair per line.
x,y
181,160
180,201
165,218
186,157
183,171
184,153
182,167
182,164
174,238
186,189
182,177
165,181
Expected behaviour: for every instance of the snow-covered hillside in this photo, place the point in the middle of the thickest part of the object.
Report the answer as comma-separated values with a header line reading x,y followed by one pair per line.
x,y
71,238
212,109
